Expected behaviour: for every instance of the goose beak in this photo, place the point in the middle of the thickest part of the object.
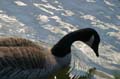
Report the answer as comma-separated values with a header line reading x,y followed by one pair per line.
x,y
96,53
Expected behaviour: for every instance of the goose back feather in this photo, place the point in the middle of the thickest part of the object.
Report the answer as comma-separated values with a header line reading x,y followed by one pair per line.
x,y
22,58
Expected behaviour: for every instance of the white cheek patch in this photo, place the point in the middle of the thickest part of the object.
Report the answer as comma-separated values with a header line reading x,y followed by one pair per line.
x,y
92,39
90,42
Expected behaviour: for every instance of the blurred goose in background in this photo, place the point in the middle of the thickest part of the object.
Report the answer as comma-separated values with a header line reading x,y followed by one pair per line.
x,y
22,58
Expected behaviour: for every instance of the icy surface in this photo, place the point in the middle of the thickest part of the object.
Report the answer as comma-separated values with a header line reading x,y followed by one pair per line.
x,y
50,20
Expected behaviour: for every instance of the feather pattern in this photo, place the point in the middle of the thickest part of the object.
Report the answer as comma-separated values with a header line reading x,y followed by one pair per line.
x,y
24,59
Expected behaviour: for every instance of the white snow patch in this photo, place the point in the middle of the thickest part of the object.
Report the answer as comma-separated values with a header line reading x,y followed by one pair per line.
x,y
44,0
98,23
63,24
56,18
43,7
1,11
7,18
56,2
93,1
118,16
20,3
68,13
54,29
114,34
108,3
0,25
11,26
43,18
88,17
48,6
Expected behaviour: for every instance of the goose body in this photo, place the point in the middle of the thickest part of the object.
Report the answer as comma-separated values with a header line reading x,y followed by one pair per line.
x,y
22,58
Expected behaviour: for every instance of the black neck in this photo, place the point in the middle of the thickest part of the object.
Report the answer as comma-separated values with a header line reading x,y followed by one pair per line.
x,y
63,47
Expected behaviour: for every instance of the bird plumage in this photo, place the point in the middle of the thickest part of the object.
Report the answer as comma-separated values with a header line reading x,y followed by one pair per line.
x,y
22,58
19,54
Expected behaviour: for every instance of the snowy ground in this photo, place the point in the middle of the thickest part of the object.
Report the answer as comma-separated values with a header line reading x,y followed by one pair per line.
x,y
49,20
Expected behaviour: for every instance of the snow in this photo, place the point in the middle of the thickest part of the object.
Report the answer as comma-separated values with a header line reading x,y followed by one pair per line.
x,y
50,20
19,3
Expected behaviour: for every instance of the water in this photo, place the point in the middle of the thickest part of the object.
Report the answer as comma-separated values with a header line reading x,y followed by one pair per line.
x,y
50,20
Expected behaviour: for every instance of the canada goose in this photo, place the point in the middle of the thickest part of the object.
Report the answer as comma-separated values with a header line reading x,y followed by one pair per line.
x,y
22,58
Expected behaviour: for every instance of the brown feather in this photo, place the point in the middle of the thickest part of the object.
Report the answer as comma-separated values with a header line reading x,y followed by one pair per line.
x,y
20,56
11,41
23,57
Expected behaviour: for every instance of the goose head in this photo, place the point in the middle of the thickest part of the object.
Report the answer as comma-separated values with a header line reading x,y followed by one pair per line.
x,y
88,35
